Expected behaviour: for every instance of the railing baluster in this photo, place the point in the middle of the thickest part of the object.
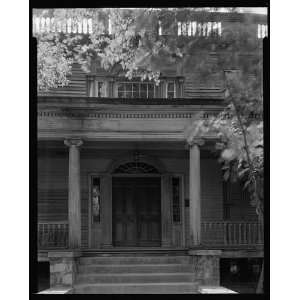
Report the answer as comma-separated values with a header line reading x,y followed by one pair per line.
x,y
245,233
225,233
53,235
250,235
230,233
234,233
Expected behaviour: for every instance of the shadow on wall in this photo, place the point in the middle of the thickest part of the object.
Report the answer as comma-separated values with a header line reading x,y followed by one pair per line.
x,y
43,276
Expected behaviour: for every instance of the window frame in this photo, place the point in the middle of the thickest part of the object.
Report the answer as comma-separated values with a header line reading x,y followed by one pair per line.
x,y
132,83
91,184
167,88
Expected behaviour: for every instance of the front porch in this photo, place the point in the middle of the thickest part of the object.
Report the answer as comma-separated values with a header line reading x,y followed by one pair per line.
x,y
127,184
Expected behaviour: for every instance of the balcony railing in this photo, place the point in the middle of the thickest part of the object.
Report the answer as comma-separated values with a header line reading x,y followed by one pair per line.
x,y
53,235
231,233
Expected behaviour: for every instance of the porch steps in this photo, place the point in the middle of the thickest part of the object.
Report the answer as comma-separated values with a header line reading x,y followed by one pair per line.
x,y
137,288
148,274
134,252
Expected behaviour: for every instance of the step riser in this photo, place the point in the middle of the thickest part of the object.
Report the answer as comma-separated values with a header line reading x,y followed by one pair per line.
x,y
131,274
85,269
85,279
133,260
136,290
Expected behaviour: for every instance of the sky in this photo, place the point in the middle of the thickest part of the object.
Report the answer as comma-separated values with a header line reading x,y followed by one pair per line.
x,y
256,10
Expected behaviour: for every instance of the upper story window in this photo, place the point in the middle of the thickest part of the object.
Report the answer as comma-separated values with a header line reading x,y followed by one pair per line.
x,y
171,90
136,90
199,28
262,31
100,89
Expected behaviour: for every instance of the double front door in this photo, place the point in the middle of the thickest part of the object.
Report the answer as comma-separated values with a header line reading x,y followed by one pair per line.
x,y
136,212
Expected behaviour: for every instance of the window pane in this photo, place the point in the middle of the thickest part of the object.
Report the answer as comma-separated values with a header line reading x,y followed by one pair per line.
x,y
100,87
96,199
143,90
176,199
135,88
128,90
170,90
121,89
170,86
150,90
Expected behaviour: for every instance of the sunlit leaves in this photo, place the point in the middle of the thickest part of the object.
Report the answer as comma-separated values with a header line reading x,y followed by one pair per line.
x,y
53,66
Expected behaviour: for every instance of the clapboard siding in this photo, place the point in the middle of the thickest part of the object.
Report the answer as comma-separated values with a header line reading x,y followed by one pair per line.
x,y
240,208
52,188
211,189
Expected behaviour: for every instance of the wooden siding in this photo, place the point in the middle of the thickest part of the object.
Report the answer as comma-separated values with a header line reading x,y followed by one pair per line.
x,y
52,188
239,205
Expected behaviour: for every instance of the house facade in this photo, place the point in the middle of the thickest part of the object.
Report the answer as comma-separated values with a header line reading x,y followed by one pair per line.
x,y
117,178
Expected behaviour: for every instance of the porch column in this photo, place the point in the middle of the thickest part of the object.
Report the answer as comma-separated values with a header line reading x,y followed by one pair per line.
x,y
74,207
166,217
195,196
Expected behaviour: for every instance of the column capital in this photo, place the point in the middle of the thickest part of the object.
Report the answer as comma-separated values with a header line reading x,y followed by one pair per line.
x,y
196,141
73,142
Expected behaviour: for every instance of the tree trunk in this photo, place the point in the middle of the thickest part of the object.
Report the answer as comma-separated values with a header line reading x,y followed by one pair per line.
x,y
260,284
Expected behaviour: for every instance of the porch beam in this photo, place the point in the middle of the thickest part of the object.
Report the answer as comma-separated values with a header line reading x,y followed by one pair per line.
x,y
74,205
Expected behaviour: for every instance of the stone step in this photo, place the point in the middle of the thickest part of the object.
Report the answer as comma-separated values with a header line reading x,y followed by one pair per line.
x,y
136,288
135,268
134,278
117,260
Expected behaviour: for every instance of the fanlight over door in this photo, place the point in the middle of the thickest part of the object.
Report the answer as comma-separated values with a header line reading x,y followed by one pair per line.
x,y
136,168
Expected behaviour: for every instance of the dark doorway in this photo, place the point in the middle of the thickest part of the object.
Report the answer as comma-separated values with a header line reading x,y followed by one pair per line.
x,y
136,211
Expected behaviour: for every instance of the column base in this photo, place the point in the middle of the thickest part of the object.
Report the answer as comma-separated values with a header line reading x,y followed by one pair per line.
x,y
206,266
63,268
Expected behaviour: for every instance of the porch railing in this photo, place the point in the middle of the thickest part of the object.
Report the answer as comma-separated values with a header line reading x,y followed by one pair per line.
x,y
55,234
230,233
52,235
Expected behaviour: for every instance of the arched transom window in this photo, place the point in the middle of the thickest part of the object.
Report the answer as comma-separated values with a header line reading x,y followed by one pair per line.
x,y
136,168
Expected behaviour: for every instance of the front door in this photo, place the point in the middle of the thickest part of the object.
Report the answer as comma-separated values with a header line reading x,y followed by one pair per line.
x,y
136,211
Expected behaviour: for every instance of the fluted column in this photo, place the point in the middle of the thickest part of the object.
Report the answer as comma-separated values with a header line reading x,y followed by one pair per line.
x,y
195,195
74,207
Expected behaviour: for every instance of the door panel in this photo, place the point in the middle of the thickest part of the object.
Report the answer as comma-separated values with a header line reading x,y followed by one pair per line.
x,y
124,215
136,211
